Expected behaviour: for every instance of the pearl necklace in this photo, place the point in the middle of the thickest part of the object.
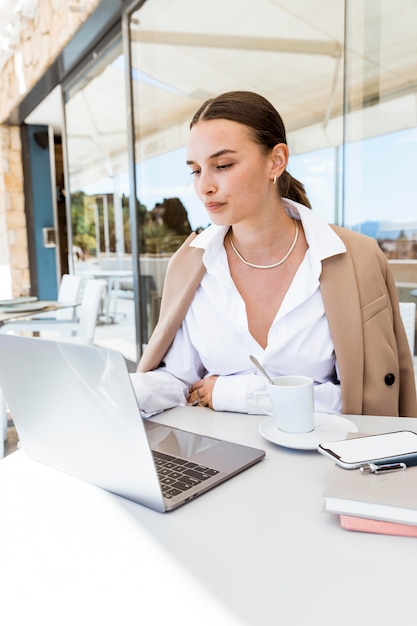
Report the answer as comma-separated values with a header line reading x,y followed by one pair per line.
x,y
265,267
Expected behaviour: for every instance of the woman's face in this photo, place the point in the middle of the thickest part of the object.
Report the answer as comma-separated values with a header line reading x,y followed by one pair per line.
x,y
232,176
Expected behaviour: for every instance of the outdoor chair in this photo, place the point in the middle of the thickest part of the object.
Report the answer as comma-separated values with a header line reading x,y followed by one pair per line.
x,y
69,293
81,331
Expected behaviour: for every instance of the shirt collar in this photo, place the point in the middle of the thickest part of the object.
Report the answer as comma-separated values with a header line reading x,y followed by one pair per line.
x,y
322,240
211,241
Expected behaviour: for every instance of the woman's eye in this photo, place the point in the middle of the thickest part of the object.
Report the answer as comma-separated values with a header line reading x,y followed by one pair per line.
x,y
197,172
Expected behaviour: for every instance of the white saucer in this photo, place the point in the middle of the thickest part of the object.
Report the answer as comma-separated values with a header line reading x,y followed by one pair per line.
x,y
328,427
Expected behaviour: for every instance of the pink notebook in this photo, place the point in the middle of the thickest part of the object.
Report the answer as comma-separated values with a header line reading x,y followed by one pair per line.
x,y
368,525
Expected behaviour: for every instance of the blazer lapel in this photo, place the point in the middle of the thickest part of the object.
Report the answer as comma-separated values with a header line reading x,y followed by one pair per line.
x,y
184,273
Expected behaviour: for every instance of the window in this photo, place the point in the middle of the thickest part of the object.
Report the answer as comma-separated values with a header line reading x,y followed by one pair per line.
x,y
96,138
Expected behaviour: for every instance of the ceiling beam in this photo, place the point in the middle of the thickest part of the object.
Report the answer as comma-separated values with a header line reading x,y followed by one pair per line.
x,y
237,42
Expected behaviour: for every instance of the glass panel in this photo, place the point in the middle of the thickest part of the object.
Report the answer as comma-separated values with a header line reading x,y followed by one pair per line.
x,y
381,131
290,53
320,172
99,193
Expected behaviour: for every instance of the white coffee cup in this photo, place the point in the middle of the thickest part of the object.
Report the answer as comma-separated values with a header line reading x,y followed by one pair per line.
x,y
290,400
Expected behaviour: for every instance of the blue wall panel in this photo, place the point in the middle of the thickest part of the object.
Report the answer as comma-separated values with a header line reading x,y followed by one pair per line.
x,y
42,212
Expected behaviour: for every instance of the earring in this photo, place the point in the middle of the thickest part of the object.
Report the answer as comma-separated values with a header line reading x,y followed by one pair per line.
x,y
274,180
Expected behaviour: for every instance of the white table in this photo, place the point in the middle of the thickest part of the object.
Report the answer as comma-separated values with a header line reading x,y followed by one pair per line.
x,y
256,550
41,307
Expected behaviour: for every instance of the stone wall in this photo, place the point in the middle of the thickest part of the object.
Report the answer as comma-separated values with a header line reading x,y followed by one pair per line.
x,y
41,41
13,247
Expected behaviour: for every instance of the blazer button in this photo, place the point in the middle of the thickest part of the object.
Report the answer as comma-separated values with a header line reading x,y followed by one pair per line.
x,y
389,379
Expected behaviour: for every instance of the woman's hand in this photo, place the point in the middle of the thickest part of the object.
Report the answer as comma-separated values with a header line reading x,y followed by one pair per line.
x,y
201,393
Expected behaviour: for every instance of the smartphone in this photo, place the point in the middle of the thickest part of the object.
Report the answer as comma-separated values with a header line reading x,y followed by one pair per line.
x,y
396,447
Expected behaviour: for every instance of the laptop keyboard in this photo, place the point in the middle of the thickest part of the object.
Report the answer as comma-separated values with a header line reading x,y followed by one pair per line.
x,y
177,475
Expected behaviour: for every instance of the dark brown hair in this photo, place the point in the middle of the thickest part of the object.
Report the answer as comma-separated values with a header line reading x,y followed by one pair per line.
x,y
258,114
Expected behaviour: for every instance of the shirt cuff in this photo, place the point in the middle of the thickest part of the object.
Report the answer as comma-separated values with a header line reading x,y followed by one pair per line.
x,y
327,398
237,393
158,391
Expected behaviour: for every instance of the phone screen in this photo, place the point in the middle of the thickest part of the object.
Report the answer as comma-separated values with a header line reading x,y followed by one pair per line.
x,y
364,449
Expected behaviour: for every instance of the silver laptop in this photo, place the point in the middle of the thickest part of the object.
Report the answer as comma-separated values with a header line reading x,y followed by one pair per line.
x,y
75,409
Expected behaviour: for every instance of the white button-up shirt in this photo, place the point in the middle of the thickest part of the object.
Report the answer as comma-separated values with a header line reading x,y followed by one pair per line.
x,y
214,338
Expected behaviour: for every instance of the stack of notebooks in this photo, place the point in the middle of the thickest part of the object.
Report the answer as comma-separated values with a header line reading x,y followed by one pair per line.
x,y
376,503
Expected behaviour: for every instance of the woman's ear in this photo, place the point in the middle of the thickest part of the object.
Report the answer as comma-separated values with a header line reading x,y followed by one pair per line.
x,y
279,159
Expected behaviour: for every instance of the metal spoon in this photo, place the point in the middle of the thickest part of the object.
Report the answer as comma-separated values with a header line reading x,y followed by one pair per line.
x,y
260,368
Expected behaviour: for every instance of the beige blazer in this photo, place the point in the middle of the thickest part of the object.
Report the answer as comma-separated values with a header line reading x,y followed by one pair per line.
x,y
361,304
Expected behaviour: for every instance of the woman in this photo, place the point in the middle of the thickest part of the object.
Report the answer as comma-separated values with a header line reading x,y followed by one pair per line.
x,y
270,278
